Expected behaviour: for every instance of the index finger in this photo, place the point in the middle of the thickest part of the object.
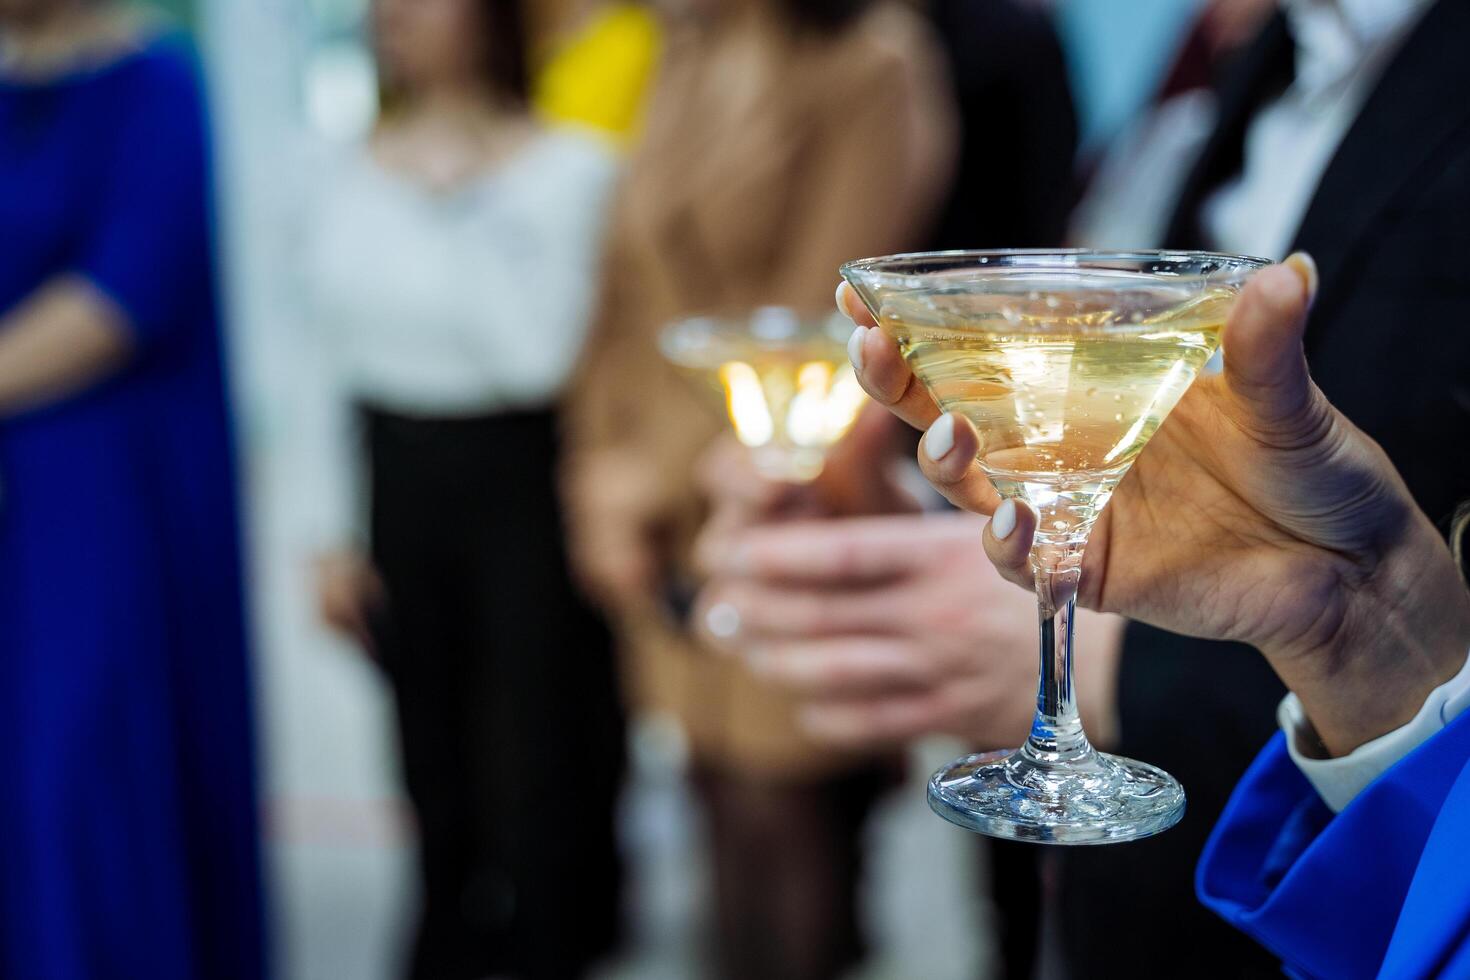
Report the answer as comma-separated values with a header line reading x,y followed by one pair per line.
x,y
851,305
880,368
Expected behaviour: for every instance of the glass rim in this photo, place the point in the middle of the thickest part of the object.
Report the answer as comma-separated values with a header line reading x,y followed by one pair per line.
x,y
875,266
786,326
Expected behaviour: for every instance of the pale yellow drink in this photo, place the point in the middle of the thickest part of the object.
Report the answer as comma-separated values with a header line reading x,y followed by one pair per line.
x,y
1065,390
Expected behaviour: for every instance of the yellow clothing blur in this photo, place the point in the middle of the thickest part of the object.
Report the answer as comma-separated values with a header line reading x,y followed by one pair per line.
x,y
599,76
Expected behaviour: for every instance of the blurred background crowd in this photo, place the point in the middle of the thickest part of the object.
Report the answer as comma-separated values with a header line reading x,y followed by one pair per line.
x,y
350,612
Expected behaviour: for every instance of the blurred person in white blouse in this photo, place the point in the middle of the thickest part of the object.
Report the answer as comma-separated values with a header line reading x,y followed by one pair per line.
x,y
451,261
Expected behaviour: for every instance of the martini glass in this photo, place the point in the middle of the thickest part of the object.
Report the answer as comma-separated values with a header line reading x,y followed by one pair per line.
x,y
785,380
1067,363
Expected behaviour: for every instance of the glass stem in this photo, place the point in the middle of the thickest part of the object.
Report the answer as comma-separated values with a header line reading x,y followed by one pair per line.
x,y
1056,732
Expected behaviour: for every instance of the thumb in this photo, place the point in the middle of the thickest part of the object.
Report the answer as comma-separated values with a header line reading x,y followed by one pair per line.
x,y
1265,367
852,481
872,434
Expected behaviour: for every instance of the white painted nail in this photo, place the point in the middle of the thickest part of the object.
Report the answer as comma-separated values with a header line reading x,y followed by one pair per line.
x,y
815,720
1004,521
940,438
738,561
855,347
841,304
758,661
1308,266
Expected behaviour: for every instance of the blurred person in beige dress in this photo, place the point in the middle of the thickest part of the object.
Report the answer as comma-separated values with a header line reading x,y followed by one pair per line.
x,y
768,119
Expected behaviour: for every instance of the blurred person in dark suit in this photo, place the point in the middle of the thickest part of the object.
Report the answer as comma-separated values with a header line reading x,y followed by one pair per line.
x,y
1337,133
767,116
128,832
1132,186
451,264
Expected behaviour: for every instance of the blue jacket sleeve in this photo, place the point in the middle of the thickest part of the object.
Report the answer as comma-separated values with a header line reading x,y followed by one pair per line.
x,y
1358,894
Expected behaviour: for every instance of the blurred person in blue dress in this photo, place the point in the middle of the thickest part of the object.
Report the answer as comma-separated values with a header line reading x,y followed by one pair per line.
x,y
128,831
451,261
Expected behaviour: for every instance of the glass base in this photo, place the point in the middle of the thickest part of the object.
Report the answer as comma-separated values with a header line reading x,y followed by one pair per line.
x,y
1095,799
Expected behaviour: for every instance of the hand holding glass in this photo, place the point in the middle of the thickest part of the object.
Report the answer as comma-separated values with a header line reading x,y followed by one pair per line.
x,y
1066,363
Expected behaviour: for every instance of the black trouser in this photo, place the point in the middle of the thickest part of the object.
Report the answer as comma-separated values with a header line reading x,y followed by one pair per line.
x,y
788,860
507,702
1015,889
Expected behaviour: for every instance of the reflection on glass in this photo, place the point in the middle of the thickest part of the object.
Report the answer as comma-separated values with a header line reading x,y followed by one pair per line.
x,y
785,380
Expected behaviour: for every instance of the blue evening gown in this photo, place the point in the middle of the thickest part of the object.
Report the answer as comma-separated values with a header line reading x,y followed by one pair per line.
x,y
128,827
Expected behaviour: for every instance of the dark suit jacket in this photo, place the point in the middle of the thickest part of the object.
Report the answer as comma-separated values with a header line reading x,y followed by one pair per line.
x,y
1013,184
1389,343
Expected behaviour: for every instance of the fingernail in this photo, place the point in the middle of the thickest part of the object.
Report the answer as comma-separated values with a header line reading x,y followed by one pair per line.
x,y
1307,268
722,620
841,306
939,440
1004,521
813,719
737,562
855,347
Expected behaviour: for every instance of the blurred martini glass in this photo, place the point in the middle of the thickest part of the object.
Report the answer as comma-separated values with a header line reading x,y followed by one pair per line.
x,y
1067,363
785,379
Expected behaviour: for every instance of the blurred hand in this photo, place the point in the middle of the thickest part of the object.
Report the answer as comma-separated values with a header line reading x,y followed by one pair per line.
x,y
889,628
858,479
1257,513
612,505
348,589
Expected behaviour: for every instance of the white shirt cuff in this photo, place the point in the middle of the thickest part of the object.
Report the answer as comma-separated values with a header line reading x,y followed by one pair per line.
x,y
1337,781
